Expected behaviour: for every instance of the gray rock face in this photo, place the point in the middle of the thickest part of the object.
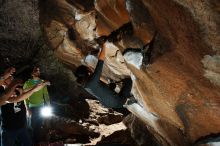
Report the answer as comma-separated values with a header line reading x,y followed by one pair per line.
x,y
19,31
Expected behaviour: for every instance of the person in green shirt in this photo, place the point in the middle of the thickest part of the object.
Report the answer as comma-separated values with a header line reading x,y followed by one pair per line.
x,y
35,102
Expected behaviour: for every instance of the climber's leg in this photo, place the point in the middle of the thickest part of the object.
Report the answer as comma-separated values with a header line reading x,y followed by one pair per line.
x,y
126,88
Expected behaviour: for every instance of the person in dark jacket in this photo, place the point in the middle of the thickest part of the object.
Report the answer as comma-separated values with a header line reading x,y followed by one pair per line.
x,y
102,91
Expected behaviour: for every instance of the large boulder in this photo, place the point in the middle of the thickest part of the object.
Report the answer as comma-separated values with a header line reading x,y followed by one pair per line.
x,y
181,85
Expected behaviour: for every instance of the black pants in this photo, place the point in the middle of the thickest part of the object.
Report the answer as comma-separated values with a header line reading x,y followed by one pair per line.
x,y
125,93
36,123
9,137
126,88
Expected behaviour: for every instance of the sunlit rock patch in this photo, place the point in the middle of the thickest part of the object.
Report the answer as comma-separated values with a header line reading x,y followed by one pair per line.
x,y
90,129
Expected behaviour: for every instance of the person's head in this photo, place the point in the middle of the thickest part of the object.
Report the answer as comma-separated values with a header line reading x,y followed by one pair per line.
x,y
35,72
8,81
82,74
101,40
8,72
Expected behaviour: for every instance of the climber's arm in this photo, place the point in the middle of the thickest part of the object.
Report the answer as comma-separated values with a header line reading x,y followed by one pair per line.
x,y
98,70
102,53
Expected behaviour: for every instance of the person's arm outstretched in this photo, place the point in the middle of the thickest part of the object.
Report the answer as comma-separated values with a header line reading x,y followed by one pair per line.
x,y
98,70
25,95
9,92
102,53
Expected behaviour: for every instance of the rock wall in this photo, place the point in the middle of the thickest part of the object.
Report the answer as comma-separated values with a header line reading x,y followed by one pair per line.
x,y
19,40
180,87
22,46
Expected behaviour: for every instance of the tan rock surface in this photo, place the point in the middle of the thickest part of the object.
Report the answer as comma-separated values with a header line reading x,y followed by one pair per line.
x,y
181,86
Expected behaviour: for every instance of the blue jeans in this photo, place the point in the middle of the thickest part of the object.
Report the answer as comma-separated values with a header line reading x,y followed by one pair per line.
x,y
10,136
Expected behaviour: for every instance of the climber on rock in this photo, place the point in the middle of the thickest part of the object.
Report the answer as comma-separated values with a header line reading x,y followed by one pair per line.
x,y
93,85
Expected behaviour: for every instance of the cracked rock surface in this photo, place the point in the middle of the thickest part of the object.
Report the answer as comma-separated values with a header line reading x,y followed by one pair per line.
x,y
180,86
